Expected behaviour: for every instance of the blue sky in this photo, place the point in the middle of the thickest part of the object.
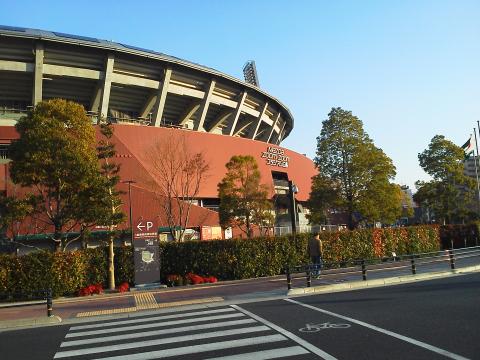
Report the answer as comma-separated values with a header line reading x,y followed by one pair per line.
x,y
408,69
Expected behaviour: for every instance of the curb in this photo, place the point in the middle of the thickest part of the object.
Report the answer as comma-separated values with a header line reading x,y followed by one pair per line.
x,y
106,295
39,321
354,285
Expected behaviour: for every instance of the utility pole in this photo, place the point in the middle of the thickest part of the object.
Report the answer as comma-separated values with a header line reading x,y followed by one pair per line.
x,y
130,182
292,190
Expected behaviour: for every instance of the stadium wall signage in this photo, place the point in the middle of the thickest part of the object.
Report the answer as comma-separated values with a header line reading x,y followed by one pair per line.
x,y
275,157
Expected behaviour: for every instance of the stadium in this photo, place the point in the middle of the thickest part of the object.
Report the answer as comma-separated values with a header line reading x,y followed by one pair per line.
x,y
149,96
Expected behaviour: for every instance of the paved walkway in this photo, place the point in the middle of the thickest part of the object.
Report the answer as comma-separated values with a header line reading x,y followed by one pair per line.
x,y
31,314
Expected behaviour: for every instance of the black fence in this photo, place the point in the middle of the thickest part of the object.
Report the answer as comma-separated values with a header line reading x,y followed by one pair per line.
x,y
403,264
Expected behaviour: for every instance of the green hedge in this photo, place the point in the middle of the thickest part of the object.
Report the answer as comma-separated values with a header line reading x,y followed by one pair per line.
x,y
67,272
232,259
241,259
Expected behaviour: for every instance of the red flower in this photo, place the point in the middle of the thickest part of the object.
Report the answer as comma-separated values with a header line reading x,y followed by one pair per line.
x,y
123,287
210,279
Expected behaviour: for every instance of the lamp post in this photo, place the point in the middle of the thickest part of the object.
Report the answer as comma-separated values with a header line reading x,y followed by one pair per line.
x,y
292,190
130,182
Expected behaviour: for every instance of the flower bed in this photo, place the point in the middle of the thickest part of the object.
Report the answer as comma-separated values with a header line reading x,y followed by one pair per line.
x,y
190,278
91,290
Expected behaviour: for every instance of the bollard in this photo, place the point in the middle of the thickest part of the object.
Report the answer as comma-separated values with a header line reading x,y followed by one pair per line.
x,y
452,259
49,303
414,267
309,276
289,278
364,271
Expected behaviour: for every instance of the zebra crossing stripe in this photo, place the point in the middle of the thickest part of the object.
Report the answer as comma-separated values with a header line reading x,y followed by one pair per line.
x,y
168,340
298,340
152,318
154,325
156,332
266,354
193,349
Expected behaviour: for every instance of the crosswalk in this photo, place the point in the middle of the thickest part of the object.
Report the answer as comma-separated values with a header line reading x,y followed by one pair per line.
x,y
223,333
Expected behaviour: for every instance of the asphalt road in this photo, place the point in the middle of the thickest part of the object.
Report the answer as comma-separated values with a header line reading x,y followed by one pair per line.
x,y
434,319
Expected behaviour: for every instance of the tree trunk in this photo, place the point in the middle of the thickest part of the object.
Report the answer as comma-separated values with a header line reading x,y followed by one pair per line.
x,y
111,266
57,237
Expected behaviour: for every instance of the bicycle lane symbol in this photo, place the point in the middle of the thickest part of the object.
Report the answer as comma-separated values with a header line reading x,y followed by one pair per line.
x,y
313,328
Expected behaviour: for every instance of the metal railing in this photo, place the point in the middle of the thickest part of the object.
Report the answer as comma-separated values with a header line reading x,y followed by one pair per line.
x,y
409,263
301,229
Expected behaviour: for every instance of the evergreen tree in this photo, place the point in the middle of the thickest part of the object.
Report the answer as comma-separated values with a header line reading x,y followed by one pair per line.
x,y
357,172
112,214
244,200
450,195
54,157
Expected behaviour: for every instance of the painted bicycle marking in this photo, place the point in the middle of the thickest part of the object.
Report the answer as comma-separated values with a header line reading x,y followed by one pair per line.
x,y
312,328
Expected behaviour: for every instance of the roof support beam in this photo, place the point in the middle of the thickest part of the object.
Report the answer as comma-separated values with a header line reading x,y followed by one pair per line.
x,y
254,129
273,127
107,85
96,97
280,134
37,92
161,98
247,124
70,71
147,108
19,66
220,119
198,126
134,81
236,115
183,119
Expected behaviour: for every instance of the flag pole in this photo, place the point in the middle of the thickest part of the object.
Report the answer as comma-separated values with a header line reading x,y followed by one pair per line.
x,y
475,162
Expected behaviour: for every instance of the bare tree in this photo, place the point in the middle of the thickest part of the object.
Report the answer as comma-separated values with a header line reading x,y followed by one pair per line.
x,y
178,174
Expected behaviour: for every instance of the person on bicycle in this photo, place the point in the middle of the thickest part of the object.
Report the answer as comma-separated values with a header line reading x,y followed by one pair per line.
x,y
315,250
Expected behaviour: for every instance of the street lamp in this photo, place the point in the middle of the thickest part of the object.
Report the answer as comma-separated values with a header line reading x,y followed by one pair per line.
x,y
292,190
130,182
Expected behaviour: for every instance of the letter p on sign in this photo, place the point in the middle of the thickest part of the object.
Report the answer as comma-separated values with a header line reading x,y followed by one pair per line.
x,y
149,225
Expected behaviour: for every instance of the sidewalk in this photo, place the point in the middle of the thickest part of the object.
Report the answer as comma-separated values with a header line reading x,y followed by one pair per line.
x,y
69,310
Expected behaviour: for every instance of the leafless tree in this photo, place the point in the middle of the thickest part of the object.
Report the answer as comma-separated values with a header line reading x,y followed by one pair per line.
x,y
178,174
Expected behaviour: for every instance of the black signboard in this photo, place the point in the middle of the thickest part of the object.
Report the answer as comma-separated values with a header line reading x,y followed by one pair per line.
x,y
146,253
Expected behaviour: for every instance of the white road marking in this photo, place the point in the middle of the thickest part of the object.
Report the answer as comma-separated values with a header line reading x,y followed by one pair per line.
x,y
199,348
168,340
384,331
156,332
154,325
288,334
266,354
148,319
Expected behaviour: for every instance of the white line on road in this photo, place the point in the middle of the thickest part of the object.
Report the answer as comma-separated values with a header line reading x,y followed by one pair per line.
x,y
154,325
168,340
198,348
142,334
384,331
288,334
266,354
149,319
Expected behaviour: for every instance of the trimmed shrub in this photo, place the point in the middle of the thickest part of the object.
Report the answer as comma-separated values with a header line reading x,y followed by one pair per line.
x,y
27,276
